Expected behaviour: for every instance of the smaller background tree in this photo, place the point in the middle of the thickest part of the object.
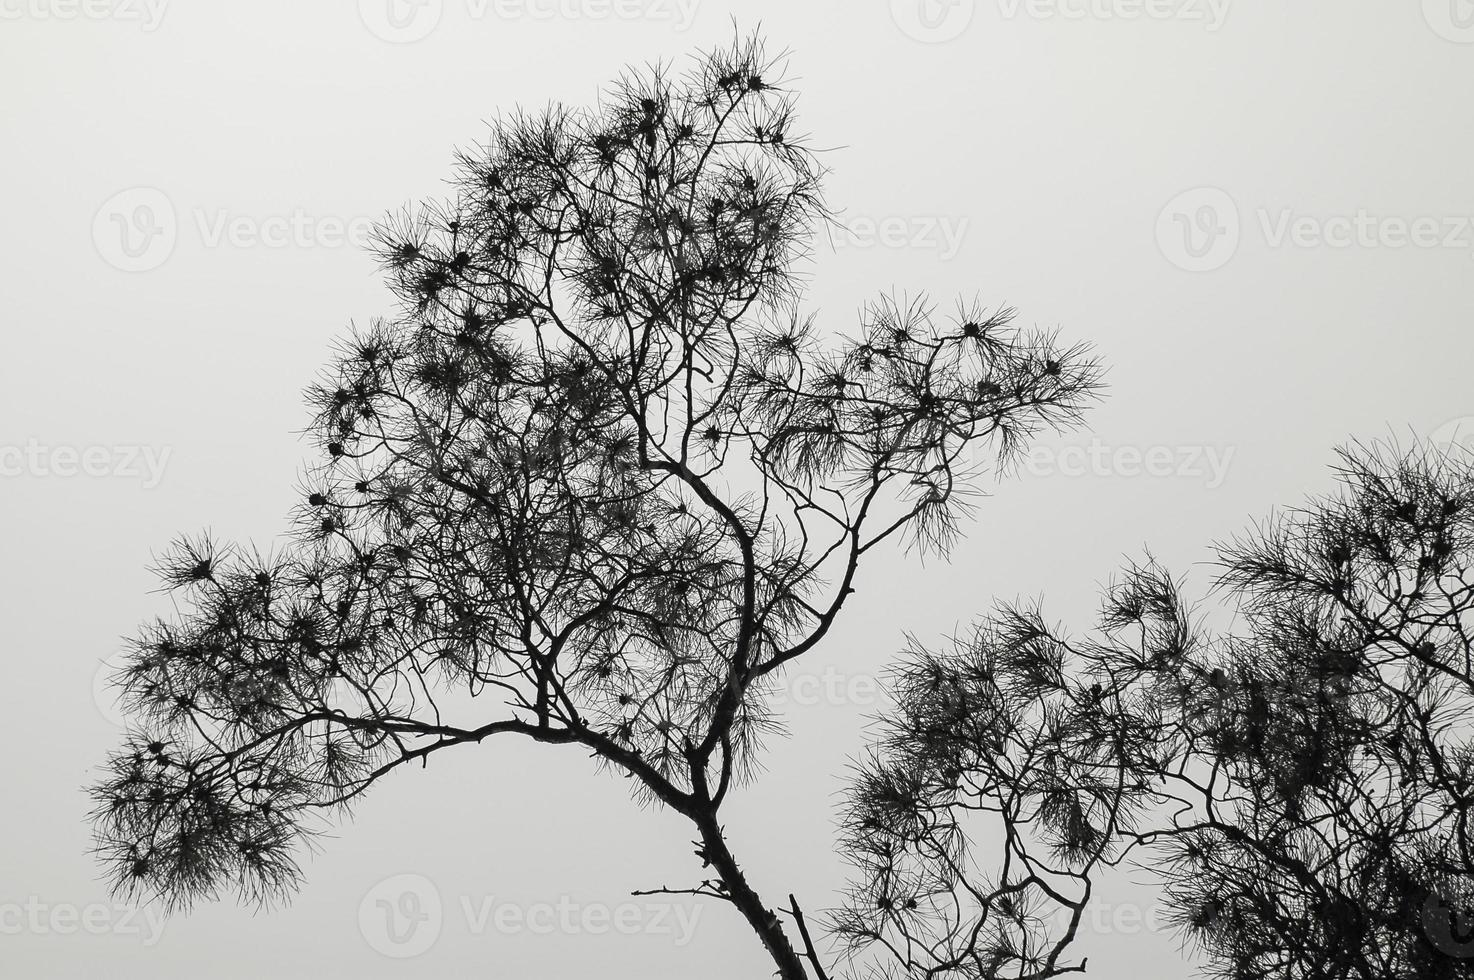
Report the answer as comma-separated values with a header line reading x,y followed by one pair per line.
x,y
1300,785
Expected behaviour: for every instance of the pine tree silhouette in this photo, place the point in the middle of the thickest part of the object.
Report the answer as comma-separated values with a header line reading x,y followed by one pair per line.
x,y
599,480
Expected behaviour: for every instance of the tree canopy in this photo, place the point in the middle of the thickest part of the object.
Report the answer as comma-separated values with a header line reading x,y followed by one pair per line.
x,y
598,481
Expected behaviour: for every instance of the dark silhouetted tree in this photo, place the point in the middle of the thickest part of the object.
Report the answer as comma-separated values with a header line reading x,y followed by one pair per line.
x,y
598,483
1301,784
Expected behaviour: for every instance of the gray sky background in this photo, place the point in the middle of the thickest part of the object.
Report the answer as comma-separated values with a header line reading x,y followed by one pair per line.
x,y
1260,213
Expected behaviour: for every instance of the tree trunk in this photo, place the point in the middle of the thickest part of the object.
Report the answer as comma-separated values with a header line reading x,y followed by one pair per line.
x,y
763,921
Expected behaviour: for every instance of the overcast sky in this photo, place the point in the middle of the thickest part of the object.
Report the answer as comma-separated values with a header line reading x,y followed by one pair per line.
x,y
1260,214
